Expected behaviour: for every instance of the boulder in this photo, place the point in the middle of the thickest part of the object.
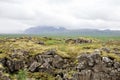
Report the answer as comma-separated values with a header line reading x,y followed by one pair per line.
x,y
14,65
86,61
107,61
116,65
70,41
106,49
95,67
57,62
83,75
78,41
34,66
40,42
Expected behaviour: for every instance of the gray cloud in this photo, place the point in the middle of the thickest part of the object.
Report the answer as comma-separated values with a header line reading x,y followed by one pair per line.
x,y
72,14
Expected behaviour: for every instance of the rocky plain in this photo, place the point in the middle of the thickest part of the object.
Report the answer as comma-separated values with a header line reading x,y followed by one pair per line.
x,y
34,58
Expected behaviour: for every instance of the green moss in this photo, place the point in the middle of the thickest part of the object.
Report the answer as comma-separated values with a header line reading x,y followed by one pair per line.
x,y
3,55
40,76
70,74
112,55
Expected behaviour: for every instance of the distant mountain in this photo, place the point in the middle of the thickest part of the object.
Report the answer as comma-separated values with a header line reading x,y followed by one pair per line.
x,y
46,30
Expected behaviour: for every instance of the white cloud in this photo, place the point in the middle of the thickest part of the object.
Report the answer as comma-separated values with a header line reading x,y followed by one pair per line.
x,y
9,25
72,14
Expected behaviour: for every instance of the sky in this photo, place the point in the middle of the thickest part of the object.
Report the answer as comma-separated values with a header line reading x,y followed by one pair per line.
x,y
18,15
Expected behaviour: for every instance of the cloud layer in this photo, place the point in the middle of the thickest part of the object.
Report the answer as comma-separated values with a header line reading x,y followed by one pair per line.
x,y
17,15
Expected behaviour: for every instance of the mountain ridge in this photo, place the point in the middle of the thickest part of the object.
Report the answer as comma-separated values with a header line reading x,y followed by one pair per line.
x,y
51,30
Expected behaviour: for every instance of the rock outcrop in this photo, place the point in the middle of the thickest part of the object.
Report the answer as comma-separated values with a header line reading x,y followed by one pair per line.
x,y
78,41
95,67
84,67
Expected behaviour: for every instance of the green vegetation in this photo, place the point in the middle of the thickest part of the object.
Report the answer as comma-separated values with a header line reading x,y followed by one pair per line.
x,y
111,55
29,45
101,37
40,76
21,75
22,42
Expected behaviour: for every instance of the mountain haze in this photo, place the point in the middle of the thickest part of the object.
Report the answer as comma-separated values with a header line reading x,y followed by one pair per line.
x,y
51,30
44,29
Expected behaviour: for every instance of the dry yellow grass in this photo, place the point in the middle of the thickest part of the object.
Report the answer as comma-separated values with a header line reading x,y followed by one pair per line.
x,y
62,48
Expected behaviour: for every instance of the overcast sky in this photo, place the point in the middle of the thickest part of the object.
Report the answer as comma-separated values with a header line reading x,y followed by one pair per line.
x,y
18,15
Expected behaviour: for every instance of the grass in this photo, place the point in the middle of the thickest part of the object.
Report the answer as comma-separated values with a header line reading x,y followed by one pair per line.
x,y
51,42
21,75
102,37
106,38
57,43
111,55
